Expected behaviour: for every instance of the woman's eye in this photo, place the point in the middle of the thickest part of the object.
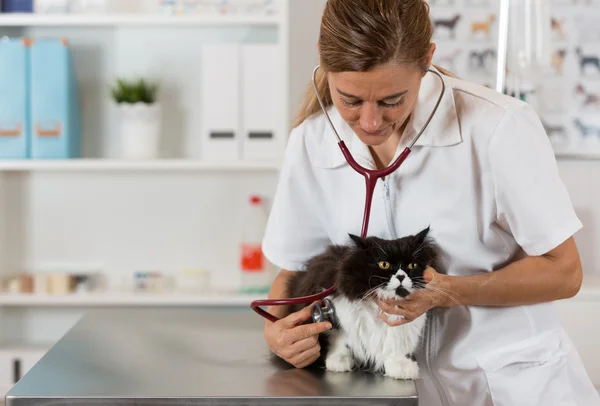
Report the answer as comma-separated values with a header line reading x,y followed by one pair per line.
x,y
412,266
384,265
392,105
350,103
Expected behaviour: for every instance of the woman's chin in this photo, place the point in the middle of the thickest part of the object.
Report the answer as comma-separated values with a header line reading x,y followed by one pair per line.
x,y
374,139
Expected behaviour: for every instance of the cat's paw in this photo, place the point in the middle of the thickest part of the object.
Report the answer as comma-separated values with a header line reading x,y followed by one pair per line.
x,y
339,363
402,369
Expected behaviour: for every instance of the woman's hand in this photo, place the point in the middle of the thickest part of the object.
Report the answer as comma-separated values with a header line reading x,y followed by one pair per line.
x,y
396,312
295,342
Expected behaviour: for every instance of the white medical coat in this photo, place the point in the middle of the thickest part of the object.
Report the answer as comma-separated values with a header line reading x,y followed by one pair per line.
x,y
483,176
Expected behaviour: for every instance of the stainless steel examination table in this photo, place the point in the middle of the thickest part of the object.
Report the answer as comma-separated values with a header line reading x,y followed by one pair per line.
x,y
186,357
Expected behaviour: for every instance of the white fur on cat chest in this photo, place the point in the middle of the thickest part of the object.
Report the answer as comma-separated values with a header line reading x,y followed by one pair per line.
x,y
367,338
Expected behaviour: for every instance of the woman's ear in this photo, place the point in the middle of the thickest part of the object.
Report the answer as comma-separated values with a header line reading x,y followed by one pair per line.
x,y
430,54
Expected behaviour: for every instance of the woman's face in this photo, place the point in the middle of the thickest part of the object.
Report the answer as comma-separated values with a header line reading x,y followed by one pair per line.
x,y
376,103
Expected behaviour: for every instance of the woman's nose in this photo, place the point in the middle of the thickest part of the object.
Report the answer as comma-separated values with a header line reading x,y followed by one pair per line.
x,y
370,118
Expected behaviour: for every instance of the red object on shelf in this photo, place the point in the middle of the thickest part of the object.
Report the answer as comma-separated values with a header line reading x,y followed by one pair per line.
x,y
252,258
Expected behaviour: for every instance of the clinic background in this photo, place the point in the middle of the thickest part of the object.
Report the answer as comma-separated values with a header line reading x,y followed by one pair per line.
x,y
117,193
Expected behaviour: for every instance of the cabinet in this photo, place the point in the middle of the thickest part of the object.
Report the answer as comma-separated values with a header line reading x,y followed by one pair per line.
x,y
579,317
102,214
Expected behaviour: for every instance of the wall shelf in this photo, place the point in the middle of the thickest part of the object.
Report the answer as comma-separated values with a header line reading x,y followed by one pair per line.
x,y
226,299
590,289
82,20
77,165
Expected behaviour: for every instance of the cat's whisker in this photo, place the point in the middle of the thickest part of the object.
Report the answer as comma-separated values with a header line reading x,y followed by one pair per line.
x,y
379,246
432,285
428,294
444,293
371,292
419,248
375,276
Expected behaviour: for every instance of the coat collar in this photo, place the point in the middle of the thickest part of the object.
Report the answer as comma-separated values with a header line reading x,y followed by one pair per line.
x,y
443,129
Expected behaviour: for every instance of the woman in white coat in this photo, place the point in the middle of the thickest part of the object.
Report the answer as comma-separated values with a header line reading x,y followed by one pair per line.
x,y
482,176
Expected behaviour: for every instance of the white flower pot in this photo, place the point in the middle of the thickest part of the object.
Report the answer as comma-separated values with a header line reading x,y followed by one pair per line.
x,y
140,126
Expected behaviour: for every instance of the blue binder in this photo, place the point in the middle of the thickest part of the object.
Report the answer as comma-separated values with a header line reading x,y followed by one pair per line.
x,y
17,6
14,119
55,110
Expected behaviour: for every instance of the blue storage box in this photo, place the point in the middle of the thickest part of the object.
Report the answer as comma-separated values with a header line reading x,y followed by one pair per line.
x,y
55,110
17,6
14,99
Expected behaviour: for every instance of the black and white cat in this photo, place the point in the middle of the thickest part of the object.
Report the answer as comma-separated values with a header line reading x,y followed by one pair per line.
x,y
369,268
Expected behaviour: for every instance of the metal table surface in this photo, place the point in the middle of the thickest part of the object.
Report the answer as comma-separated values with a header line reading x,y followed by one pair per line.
x,y
186,357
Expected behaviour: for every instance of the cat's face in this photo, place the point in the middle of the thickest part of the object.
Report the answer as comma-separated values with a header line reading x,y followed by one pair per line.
x,y
386,268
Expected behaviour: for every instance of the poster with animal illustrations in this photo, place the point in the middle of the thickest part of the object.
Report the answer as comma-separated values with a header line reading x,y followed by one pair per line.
x,y
466,34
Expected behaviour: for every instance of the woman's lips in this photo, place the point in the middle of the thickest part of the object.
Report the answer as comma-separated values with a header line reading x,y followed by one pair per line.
x,y
378,132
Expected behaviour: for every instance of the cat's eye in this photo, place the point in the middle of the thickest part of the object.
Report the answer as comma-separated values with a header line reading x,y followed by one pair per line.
x,y
412,266
384,265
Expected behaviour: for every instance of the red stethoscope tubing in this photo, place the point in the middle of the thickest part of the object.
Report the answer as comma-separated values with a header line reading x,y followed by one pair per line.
x,y
371,177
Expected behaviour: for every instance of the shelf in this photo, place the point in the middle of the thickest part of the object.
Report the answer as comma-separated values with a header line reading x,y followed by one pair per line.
x,y
590,289
74,20
226,299
132,165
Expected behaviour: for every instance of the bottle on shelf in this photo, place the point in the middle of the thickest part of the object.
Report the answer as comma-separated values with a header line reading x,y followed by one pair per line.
x,y
255,271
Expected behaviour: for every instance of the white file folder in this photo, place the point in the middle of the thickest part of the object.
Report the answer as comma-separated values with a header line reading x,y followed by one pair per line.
x,y
220,102
262,104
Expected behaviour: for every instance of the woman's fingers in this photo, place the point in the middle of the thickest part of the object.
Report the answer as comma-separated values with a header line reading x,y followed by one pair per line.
x,y
389,307
307,357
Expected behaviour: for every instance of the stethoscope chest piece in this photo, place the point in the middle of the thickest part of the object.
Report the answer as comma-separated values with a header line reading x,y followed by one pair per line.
x,y
326,312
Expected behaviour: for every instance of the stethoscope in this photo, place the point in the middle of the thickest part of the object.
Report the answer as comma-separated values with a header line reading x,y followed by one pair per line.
x,y
326,311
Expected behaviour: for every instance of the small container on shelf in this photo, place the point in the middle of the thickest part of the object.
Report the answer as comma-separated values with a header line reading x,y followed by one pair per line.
x,y
19,284
51,6
150,282
60,284
17,6
254,267
193,281
54,101
89,7
14,98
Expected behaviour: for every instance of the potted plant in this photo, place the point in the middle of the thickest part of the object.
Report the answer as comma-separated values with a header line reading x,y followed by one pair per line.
x,y
140,117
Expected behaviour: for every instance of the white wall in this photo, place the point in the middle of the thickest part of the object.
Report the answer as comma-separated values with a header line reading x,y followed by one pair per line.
x,y
581,179
303,46
119,222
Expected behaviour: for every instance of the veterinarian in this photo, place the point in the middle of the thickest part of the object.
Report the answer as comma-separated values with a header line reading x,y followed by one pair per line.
x,y
482,176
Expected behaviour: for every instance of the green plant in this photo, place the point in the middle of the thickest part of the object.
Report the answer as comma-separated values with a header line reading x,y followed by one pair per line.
x,y
134,91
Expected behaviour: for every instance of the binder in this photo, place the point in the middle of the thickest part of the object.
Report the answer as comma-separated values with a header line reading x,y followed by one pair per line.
x,y
17,6
262,103
14,120
220,128
55,111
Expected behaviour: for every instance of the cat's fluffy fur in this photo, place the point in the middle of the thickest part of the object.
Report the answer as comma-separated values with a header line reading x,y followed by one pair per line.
x,y
362,340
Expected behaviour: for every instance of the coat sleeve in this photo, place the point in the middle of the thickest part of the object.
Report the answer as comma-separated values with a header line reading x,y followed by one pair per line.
x,y
532,202
295,230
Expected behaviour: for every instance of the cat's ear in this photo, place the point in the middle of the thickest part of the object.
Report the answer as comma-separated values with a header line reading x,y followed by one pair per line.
x,y
421,236
360,243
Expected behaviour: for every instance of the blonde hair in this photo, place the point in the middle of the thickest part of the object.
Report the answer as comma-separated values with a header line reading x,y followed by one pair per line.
x,y
358,35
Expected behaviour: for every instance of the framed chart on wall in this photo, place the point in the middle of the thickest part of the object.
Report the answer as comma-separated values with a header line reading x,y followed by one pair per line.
x,y
568,97
466,35
570,100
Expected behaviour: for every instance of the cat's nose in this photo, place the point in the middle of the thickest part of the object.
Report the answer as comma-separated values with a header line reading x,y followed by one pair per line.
x,y
400,277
